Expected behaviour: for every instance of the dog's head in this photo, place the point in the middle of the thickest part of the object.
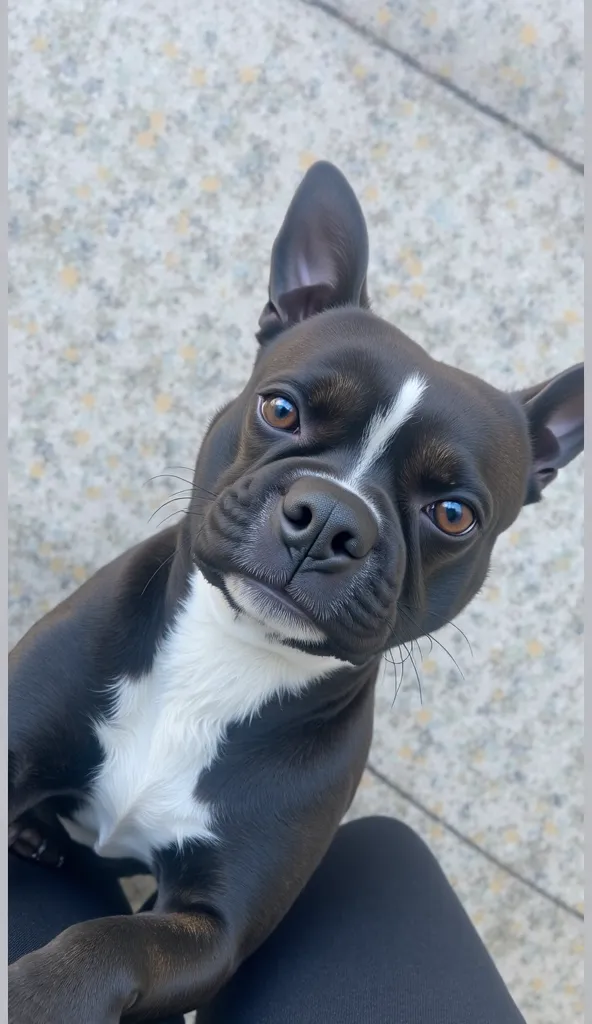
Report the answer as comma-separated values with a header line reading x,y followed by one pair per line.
x,y
349,498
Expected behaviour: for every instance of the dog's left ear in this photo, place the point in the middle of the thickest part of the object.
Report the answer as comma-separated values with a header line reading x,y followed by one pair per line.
x,y
320,257
555,414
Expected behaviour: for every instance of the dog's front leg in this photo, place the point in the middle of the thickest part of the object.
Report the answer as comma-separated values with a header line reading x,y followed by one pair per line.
x,y
142,966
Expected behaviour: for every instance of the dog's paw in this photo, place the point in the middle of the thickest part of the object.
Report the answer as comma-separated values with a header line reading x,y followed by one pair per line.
x,y
29,840
62,983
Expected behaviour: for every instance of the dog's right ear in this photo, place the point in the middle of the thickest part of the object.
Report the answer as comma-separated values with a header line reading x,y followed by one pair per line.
x,y
319,259
555,415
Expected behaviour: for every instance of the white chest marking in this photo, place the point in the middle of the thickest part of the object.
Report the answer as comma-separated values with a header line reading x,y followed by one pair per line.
x,y
213,669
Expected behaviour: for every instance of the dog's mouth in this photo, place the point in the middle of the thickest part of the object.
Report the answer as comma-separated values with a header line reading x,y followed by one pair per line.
x,y
325,602
272,608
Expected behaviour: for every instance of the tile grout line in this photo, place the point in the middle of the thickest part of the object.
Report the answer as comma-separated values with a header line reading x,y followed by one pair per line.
x,y
446,83
409,798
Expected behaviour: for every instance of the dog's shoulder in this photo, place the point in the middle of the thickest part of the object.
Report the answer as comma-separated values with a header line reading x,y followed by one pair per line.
x,y
108,626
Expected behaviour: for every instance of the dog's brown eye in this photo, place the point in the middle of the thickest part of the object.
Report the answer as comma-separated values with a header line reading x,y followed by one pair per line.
x,y
452,517
280,413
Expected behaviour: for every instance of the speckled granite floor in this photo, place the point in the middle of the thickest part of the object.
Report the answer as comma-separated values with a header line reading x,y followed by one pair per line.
x,y
153,151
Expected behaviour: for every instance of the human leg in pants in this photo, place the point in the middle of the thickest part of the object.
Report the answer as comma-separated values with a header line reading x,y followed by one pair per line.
x,y
377,937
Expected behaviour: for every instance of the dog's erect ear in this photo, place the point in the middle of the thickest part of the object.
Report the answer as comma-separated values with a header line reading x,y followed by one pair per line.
x,y
320,257
555,413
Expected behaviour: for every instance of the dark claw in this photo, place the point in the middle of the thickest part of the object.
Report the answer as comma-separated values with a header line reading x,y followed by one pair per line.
x,y
27,842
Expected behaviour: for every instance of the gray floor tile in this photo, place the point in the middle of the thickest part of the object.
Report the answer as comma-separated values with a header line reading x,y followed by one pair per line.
x,y
525,60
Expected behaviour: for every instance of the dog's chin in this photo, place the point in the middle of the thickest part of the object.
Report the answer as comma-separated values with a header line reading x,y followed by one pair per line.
x,y
282,620
274,610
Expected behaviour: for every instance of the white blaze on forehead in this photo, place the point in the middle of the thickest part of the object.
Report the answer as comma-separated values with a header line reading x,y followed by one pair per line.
x,y
384,425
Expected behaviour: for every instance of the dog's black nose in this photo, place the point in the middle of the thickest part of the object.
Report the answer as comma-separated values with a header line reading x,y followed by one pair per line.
x,y
327,523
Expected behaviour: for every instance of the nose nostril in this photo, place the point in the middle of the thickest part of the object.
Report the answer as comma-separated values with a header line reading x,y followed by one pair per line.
x,y
323,522
343,543
300,515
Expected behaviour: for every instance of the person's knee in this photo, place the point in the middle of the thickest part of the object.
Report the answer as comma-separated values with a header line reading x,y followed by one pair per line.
x,y
386,835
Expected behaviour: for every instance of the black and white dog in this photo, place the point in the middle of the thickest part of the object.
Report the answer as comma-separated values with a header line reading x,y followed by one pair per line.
x,y
210,721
